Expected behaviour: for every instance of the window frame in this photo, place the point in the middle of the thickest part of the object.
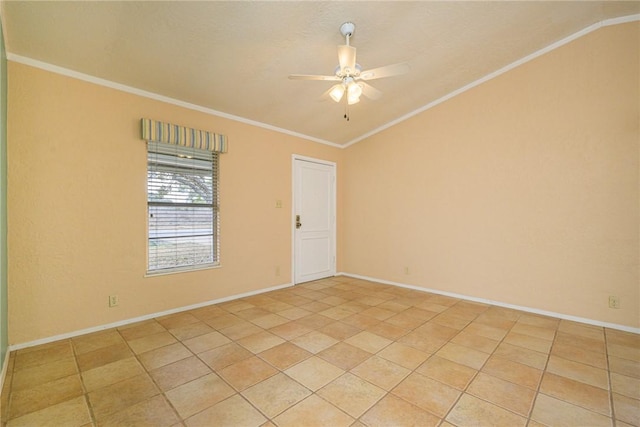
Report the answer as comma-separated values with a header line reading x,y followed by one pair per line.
x,y
178,152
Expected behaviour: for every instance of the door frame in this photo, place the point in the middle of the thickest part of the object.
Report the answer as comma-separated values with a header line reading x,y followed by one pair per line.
x,y
333,233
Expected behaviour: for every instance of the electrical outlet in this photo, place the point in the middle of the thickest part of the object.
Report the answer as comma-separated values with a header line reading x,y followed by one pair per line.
x,y
278,204
614,301
406,270
278,270
113,300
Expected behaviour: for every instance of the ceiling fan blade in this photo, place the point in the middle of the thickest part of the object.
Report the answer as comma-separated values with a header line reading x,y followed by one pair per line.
x,y
347,58
370,91
386,71
312,77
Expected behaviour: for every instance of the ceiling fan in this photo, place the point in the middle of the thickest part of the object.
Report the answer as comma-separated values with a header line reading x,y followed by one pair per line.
x,y
350,76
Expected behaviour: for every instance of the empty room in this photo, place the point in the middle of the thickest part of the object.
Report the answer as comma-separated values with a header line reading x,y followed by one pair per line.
x,y
320,213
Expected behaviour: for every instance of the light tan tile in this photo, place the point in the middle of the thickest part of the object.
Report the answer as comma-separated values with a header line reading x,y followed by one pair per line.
x,y
316,306
276,394
73,412
361,321
470,410
285,355
111,373
502,393
406,321
379,313
579,372
344,356
587,344
587,331
339,330
554,412
43,354
234,411
336,313
351,394
152,412
630,339
423,341
486,331
164,355
438,331
225,355
447,372
427,394
41,396
630,368
476,342
260,342
627,386
116,397
269,321
224,321
450,320
626,409
381,372
151,342
197,395
177,320
387,330
534,331
141,329
539,320
522,355
581,394
103,356
526,341
403,355
393,411
623,351
577,354
90,342
294,313
252,313
40,374
190,331
248,372
290,330
314,341
463,355
514,372
367,341
314,373
207,312
241,330
180,372
316,412
315,321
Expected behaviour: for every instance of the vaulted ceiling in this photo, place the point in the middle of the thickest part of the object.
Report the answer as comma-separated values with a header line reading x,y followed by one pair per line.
x,y
235,57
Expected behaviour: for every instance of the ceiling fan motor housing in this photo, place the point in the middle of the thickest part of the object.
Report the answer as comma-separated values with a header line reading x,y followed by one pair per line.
x,y
347,29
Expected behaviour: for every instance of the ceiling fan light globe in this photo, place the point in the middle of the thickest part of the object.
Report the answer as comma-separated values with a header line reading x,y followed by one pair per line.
x,y
336,92
354,90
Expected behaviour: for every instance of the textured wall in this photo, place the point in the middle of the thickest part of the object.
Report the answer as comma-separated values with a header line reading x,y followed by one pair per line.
x,y
77,197
523,190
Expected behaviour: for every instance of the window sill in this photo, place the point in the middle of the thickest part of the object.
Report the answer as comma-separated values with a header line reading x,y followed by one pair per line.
x,y
181,270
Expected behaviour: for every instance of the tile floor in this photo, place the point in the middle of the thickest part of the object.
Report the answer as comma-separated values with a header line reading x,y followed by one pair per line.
x,y
335,352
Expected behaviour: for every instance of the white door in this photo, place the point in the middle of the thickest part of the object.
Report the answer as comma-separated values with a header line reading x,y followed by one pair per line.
x,y
314,214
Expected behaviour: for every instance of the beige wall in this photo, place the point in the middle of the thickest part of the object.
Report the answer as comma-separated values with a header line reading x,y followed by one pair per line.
x,y
523,190
77,206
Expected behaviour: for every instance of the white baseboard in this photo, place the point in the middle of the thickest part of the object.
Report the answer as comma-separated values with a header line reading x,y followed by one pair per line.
x,y
498,303
54,338
5,366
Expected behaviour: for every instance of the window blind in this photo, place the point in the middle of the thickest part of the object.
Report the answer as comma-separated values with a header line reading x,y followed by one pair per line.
x,y
182,196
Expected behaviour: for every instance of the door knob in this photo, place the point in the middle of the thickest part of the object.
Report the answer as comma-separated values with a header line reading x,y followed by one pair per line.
x,y
298,223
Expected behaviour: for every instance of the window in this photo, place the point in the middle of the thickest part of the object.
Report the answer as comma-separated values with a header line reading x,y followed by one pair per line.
x,y
182,199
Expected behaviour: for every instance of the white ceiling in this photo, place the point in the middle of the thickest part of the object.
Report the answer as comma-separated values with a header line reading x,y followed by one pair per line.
x,y
234,57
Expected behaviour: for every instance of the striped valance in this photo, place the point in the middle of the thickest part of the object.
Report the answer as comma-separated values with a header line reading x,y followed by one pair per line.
x,y
155,131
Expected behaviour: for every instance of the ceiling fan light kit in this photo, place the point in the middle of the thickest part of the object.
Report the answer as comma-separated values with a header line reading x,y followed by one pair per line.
x,y
350,74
